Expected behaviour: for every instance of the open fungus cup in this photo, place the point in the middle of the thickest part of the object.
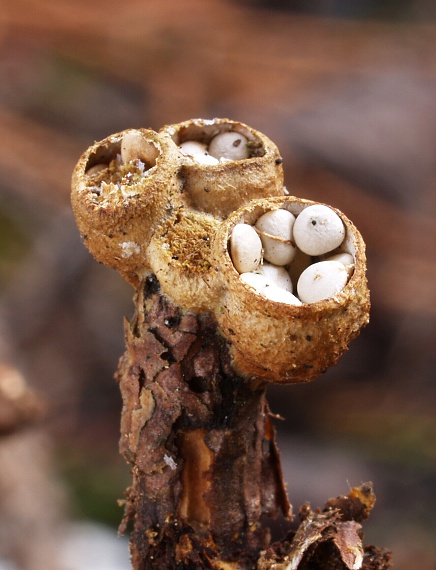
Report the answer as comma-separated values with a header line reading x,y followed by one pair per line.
x,y
277,341
222,188
118,204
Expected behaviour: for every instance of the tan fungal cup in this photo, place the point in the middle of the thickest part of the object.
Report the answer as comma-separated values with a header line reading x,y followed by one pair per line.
x,y
281,342
173,216
222,188
118,209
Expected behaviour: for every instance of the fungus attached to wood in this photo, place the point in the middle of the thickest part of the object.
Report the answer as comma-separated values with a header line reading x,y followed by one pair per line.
x,y
214,324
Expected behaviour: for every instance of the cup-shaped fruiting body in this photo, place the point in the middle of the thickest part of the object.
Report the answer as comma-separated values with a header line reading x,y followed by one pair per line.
x,y
278,337
121,189
245,164
143,205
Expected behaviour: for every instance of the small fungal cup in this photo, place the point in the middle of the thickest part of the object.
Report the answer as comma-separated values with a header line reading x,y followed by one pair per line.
x,y
121,186
251,169
272,338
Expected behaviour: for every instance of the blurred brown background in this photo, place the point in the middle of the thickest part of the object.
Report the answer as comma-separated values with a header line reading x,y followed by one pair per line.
x,y
347,91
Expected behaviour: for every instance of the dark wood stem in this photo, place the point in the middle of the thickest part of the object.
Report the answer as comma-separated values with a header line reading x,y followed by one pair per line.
x,y
199,440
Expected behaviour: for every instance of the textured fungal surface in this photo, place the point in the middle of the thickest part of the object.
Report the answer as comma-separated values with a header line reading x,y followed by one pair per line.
x,y
237,284
145,205
285,338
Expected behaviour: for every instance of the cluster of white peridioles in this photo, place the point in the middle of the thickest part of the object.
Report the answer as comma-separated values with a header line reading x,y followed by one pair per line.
x,y
223,147
281,248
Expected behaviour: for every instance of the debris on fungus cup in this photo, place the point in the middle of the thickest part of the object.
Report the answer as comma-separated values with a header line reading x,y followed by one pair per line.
x,y
121,186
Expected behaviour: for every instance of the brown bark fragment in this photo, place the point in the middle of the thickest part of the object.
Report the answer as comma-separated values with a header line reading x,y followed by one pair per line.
x,y
349,544
356,505
329,540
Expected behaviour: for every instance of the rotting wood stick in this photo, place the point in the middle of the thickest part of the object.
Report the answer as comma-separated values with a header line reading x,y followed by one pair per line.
x,y
199,439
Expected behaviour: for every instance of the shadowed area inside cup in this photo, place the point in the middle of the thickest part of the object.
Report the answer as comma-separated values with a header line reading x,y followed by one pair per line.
x,y
205,131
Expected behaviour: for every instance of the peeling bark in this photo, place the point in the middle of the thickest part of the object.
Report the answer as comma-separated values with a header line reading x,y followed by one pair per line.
x,y
206,468
199,439
329,540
